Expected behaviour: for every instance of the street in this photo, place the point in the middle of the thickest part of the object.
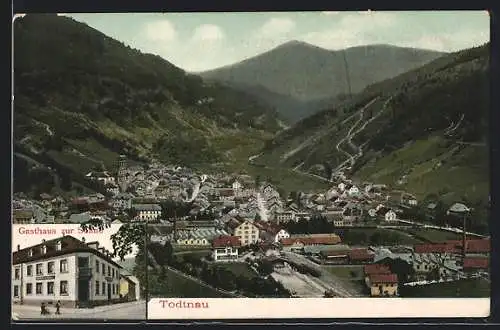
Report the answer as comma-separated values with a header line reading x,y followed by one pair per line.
x,y
126,311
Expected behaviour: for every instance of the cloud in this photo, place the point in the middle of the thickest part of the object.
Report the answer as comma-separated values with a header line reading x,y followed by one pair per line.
x,y
159,31
208,32
353,29
275,27
450,42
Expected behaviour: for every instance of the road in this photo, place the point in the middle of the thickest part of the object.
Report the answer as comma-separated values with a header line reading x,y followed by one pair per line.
x,y
125,311
452,229
327,279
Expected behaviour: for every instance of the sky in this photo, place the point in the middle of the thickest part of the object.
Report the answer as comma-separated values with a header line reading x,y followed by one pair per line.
x,y
203,41
26,240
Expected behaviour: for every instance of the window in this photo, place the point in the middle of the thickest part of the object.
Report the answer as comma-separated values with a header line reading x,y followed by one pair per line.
x,y
97,266
44,249
103,269
39,269
29,288
59,246
50,267
63,287
113,289
63,266
109,271
97,291
50,288
29,270
103,288
39,287
16,290
113,272
16,273
30,253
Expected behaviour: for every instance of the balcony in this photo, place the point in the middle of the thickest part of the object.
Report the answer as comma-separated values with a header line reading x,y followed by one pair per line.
x,y
84,272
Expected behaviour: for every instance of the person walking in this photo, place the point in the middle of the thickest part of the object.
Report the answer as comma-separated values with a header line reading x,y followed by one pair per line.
x,y
58,307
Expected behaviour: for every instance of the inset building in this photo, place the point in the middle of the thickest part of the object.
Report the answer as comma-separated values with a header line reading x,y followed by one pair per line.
x,y
76,273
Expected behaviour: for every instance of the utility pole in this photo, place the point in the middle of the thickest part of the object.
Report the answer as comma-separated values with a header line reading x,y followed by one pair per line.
x,y
464,238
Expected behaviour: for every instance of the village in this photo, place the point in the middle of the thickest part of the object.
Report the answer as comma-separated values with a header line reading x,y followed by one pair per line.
x,y
352,240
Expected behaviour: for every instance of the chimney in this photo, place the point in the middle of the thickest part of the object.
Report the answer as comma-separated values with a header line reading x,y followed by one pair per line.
x,y
83,239
18,247
43,240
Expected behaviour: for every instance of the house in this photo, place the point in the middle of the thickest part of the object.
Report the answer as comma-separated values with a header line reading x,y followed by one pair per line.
x,y
334,257
225,248
439,258
270,232
390,216
297,243
386,213
247,232
360,256
374,269
383,285
372,213
342,187
23,216
475,264
147,212
104,177
353,191
237,185
129,287
284,216
226,193
65,269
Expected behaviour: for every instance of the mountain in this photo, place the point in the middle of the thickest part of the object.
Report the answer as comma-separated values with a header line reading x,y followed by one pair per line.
x,y
424,132
305,72
82,98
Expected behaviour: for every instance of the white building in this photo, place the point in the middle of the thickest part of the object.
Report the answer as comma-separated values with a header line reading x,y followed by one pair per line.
x,y
65,269
225,248
353,191
247,232
148,212
390,216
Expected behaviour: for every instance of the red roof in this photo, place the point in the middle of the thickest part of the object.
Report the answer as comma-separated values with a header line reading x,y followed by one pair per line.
x,y
223,241
480,263
383,278
473,245
435,248
360,254
376,269
329,240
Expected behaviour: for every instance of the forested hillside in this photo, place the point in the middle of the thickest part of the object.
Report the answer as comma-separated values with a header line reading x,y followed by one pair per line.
x,y
81,98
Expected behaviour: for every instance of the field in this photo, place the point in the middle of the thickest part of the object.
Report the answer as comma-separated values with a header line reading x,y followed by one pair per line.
x,y
470,288
176,285
238,149
434,235
376,236
434,166
239,269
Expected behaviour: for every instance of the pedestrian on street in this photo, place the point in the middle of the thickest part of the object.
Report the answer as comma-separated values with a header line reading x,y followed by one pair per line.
x,y
58,307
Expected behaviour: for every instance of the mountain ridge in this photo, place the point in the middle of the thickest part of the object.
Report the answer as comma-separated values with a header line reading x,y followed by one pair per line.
x,y
308,73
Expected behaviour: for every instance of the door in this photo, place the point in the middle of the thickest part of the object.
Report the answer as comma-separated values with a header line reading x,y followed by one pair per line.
x,y
109,291
83,292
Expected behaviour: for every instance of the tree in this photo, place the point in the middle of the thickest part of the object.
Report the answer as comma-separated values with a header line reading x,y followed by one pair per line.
x,y
265,268
128,236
